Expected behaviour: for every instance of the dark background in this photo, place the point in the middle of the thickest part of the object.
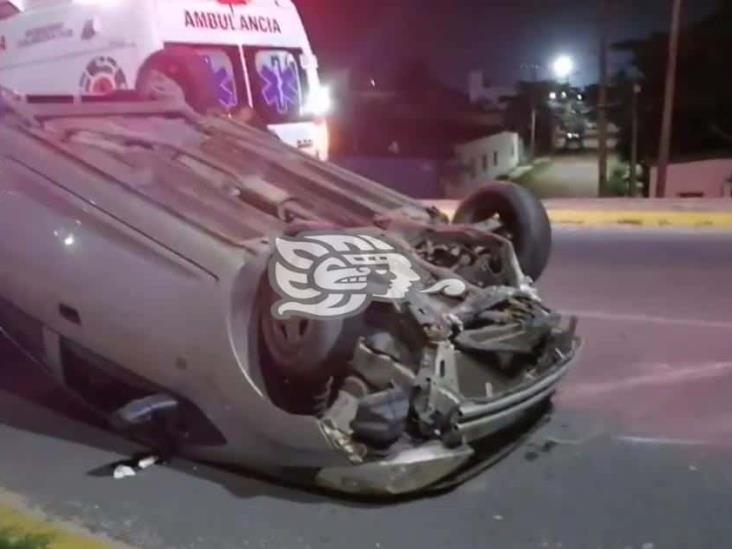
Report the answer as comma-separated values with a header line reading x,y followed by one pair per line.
x,y
498,36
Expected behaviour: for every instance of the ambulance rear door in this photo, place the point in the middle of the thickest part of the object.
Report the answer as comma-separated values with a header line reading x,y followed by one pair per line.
x,y
260,56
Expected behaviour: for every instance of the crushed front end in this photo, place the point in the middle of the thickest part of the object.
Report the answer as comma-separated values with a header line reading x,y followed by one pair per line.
x,y
434,344
422,383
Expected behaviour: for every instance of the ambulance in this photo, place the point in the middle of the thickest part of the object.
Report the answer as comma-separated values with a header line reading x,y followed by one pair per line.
x,y
255,55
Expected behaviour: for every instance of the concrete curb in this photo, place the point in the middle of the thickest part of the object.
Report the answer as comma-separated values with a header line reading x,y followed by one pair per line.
x,y
635,213
656,219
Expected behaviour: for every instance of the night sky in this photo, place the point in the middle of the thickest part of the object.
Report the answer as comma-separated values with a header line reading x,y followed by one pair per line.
x,y
498,36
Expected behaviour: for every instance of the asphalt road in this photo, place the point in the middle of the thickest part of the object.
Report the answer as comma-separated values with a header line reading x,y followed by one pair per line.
x,y
638,454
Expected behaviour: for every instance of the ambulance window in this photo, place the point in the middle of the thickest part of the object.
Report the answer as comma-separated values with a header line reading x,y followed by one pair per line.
x,y
7,9
224,75
226,69
278,82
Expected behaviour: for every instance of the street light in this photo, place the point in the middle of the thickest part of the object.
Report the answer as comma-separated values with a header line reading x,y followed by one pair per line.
x,y
563,67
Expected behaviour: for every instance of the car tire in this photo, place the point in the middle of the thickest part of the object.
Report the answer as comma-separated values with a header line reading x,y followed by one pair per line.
x,y
523,217
301,358
304,348
187,70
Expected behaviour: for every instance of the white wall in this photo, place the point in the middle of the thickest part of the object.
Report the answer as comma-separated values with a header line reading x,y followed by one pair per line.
x,y
488,158
706,178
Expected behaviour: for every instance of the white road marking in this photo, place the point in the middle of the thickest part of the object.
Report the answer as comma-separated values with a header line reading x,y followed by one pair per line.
x,y
649,319
643,230
666,377
663,441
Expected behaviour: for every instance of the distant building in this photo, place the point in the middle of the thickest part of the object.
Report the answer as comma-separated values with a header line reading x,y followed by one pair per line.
x,y
483,160
419,136
695,178
486,95
422,119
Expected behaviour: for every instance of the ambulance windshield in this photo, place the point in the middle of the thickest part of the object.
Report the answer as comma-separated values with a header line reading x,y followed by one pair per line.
x,y
278,83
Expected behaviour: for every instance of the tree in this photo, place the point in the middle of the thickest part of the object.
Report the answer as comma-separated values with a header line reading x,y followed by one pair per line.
x,y
703,110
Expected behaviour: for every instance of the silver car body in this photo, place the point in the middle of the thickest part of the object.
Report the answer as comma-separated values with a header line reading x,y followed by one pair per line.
x,y
125,240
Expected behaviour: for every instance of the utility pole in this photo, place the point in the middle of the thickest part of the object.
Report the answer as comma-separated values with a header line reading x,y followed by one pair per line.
x,y
602,102
534,75
634,146
533,133
668,104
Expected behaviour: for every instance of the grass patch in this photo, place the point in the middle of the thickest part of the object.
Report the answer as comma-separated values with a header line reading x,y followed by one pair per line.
x,y
531,176
23,529
618,183
11,539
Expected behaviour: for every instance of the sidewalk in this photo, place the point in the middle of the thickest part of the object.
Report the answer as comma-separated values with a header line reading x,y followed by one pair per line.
x,y
688,213
712,213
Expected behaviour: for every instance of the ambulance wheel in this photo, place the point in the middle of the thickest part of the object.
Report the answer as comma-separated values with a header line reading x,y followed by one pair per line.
x,y
187,70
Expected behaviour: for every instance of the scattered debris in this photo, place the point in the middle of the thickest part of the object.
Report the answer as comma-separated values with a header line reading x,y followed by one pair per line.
x,y
131,468
648,546
148,461
497,517
537,449
548,446
123,471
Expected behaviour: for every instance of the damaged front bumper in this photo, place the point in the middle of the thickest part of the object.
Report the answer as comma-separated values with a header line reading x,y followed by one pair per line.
x,y
432,464
476,421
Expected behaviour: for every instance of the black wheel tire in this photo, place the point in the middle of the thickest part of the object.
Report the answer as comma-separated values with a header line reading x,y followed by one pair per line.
x,y
188,70
305,349
301,359
522,214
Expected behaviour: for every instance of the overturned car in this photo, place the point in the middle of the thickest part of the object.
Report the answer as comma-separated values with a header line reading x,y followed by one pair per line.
x,y
222,296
